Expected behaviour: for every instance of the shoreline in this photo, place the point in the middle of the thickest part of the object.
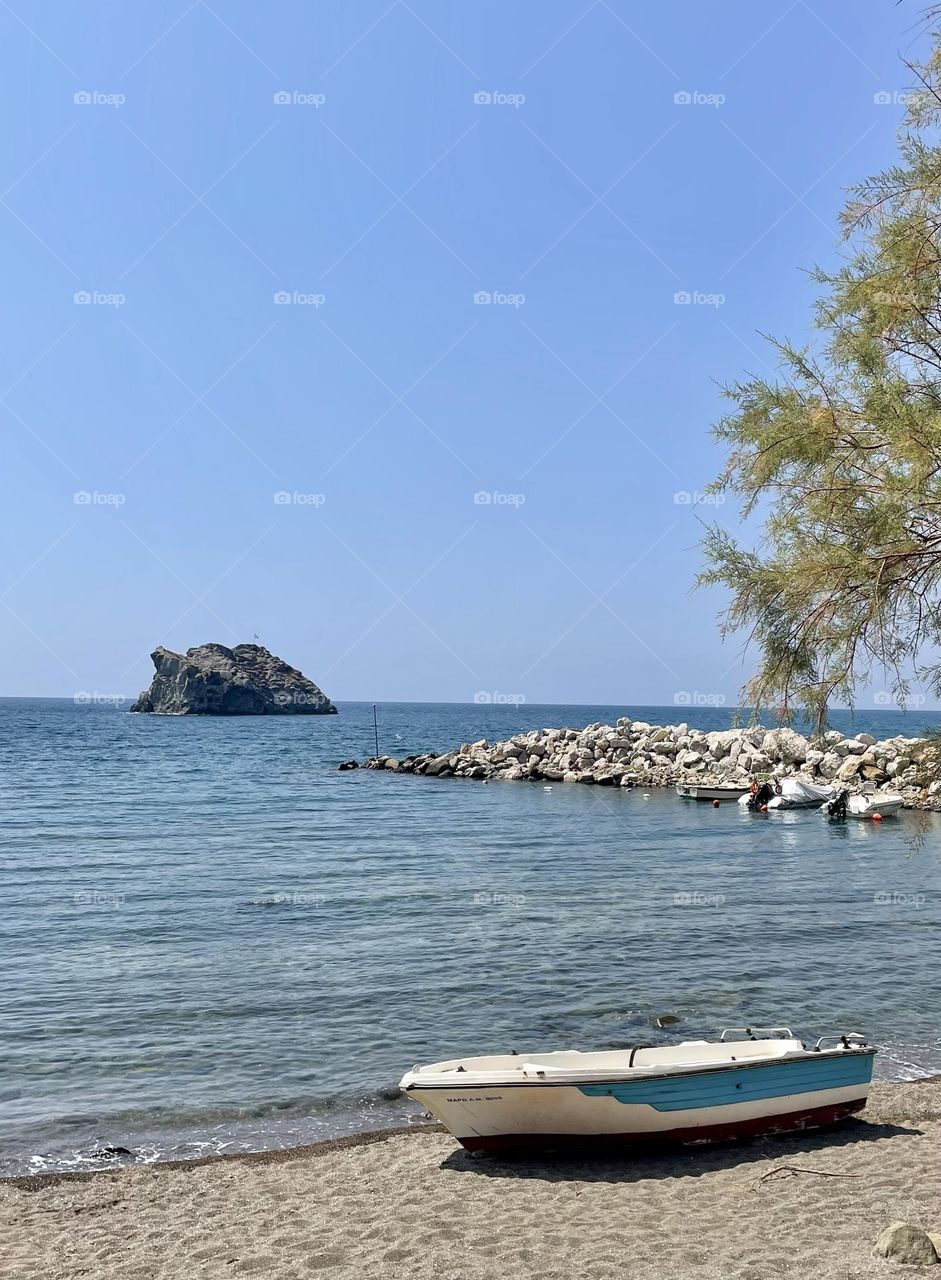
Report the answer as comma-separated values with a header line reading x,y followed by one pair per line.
x,y
266,1156
411,1203
136,1152
886,1097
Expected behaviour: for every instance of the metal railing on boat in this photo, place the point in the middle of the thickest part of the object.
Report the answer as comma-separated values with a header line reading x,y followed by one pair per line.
x,y
768,1033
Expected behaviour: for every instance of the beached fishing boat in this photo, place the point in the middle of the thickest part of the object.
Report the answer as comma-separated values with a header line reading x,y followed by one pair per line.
x,y
764,1081
729,791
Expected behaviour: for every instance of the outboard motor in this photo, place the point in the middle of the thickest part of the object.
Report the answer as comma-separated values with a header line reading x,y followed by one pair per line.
x,y
761,796
836,808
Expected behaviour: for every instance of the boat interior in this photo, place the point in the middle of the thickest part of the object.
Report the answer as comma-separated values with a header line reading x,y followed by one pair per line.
x,y
663,1058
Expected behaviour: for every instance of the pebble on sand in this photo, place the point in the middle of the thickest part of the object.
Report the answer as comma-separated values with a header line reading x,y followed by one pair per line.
x,y
907,1244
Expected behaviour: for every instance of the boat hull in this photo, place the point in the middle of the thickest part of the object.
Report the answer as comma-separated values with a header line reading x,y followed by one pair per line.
x,y
694,792
713,1105
731,1131
866,806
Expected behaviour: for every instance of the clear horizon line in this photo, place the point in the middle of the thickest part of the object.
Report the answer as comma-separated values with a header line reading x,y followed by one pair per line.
x,y
679,708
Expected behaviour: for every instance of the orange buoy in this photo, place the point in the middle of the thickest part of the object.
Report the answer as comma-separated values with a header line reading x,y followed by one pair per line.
x,y
877,817
715,804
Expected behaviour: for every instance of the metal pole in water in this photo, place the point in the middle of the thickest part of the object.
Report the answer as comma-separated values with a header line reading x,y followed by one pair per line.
x,y
375,725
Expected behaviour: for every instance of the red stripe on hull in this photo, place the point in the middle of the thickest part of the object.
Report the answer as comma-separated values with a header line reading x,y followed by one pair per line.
x,y
817,1118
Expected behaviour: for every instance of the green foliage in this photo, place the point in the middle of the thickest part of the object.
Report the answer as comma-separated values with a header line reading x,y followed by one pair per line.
x,y
841,455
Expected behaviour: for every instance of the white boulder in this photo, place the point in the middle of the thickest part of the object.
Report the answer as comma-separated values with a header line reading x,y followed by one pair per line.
x,y
786,745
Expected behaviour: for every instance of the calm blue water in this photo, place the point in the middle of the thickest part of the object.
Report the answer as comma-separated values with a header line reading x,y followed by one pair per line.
x,y
211,940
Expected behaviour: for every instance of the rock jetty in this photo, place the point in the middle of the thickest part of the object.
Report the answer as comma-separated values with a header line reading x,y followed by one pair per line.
x,y
212,680
634,753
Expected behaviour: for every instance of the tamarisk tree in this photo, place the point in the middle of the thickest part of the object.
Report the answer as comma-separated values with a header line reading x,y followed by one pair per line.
x,y
840,456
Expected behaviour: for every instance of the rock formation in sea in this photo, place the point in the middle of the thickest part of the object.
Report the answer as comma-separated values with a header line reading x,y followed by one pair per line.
x,y
634,753
212,680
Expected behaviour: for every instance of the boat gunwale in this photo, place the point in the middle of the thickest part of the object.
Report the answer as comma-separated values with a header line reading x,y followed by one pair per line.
x,y
625,1074
691,788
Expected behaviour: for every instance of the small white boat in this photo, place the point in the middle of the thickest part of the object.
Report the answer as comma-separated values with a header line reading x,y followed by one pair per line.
x,y
727,791
764,1081
881,802
867,804
796,793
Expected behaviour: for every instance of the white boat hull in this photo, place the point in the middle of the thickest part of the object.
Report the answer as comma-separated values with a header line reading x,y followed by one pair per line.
x,y
539,1105
864,806
694,792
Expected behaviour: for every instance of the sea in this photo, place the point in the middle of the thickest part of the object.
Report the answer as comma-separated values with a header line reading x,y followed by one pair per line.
x,y
213,941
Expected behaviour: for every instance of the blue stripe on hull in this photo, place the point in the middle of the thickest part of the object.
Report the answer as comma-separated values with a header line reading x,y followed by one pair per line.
x,y
725,1088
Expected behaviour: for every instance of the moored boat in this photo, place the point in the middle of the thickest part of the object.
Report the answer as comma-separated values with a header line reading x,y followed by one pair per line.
x,y
698,1091
794,793
798,793
729,791
881,802
867,804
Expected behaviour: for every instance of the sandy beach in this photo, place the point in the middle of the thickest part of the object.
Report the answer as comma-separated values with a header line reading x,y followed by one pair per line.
x,y
412,1204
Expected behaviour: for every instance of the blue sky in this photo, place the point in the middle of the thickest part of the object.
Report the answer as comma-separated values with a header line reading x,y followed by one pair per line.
x,y
248,380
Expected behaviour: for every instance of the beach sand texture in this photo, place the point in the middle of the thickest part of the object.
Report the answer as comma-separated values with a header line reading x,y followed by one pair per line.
x,y
414,1205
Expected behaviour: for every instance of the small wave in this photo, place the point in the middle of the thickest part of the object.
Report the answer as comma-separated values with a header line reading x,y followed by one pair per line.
x,y
82,1160
272,1126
